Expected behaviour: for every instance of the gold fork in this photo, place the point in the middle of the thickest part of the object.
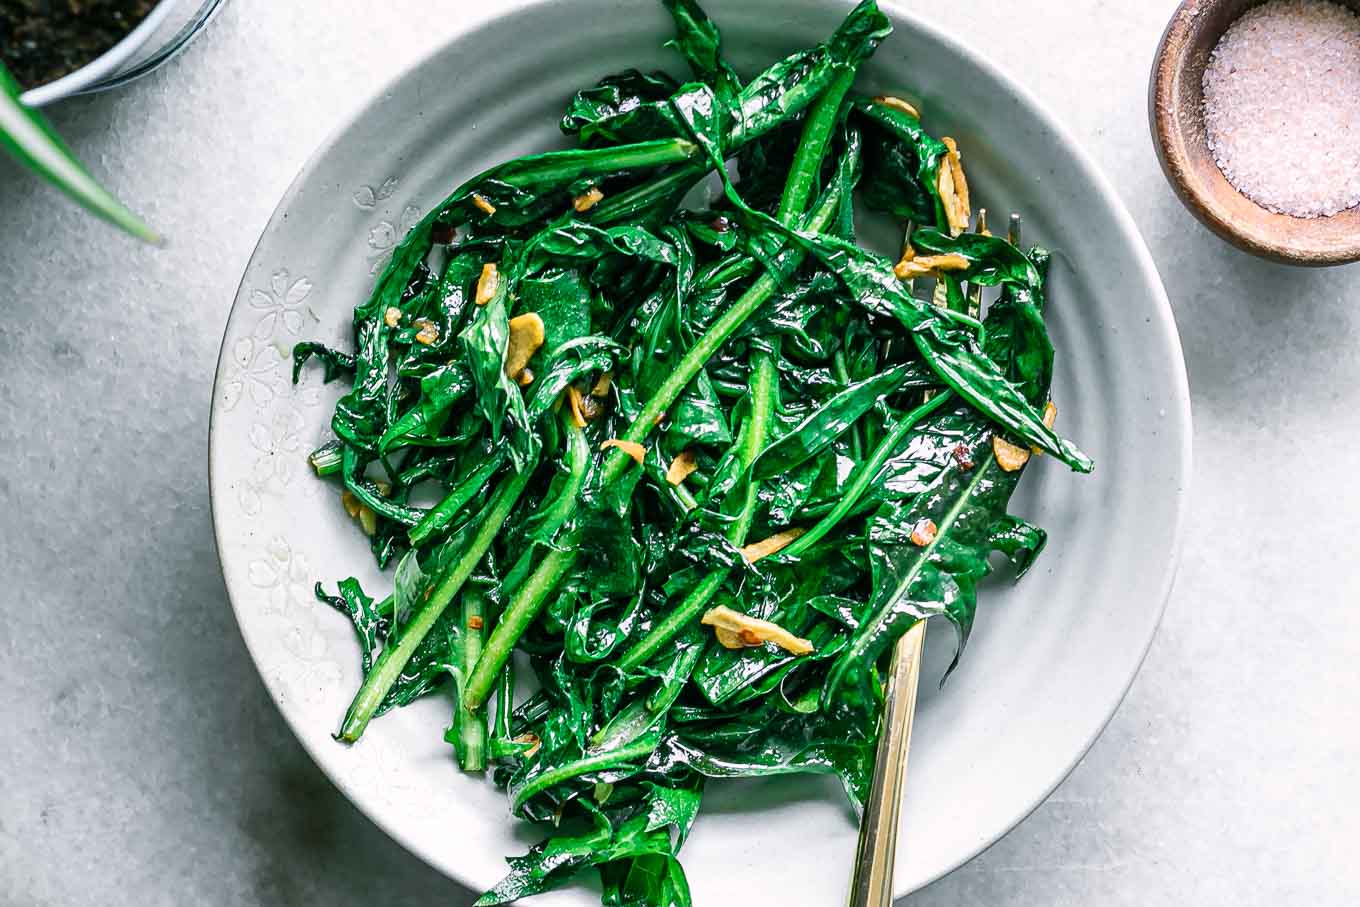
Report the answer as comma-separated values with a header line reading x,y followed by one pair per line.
x,y
872,883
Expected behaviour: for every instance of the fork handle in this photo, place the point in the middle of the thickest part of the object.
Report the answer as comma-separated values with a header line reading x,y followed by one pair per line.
x,y
872,882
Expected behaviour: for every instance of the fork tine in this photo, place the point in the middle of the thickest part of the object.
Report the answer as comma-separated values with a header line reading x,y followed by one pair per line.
x,y
975,289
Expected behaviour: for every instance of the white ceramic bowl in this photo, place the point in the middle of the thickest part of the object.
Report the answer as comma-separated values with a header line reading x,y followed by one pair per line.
x,y
166,30
1051,657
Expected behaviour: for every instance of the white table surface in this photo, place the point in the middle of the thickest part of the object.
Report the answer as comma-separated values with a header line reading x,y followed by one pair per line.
x,y
140,760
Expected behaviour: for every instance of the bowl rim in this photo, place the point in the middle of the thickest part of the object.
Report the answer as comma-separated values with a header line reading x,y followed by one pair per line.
x,y
102,66
1162,312
1170,142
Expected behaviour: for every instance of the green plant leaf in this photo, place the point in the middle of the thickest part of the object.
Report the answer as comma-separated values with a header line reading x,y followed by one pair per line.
x,y
27,135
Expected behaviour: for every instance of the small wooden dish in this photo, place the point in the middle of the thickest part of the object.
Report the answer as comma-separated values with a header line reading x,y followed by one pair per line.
x,y
1176,113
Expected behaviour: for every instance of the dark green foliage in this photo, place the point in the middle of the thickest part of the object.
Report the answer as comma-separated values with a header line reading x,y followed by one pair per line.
x,y
808,386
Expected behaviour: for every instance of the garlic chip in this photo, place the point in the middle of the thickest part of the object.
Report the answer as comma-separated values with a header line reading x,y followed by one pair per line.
x,y
898,104
929,265
736,630
488,283
587,200
681,467
482,204
526,336
632,448
772,545
1011,457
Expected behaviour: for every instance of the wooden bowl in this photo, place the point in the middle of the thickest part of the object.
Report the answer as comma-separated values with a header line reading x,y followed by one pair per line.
x,y
1176,112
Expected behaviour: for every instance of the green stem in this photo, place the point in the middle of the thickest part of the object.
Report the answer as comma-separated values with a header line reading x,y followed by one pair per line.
x,y
327,459
395,655
505,701
546,780
502,746
763,381
578,464
723,328
530,598
576,163
807,161
807,165
667,187
563,505
730,270
764,385
674,621
443,513
842,373
686,498
863,477
521,611
470,725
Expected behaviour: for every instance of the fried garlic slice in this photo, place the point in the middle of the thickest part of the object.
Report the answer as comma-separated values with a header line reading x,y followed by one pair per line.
x,y
736,630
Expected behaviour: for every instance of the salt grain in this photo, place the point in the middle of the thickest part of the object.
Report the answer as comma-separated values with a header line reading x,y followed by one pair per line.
x,y
1282,106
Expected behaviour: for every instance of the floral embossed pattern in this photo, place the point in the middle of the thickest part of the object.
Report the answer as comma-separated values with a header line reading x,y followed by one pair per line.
x,y
386,233
383,238
274,423
282,305
257,370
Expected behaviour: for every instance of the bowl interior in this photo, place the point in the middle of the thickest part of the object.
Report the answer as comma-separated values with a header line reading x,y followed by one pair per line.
x,y
1051,657
1176,110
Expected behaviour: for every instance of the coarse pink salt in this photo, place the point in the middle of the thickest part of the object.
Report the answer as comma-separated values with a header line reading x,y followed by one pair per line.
x,y
1282,106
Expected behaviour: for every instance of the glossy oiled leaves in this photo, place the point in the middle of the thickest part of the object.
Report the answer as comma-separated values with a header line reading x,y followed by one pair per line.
x,y
914,581
903,162
949,346
614,97
732,405
829,421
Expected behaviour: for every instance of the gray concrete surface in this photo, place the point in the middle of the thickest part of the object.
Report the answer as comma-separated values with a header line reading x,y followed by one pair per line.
x,y
140,760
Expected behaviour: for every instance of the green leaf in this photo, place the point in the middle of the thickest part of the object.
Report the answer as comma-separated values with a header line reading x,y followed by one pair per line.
x,y
370,623
653,880
951,349
335,363
614,97
498,397
829,421
698,416
675,807
698,41
562,299
548,865
765,743
902,163
439,391
914,582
